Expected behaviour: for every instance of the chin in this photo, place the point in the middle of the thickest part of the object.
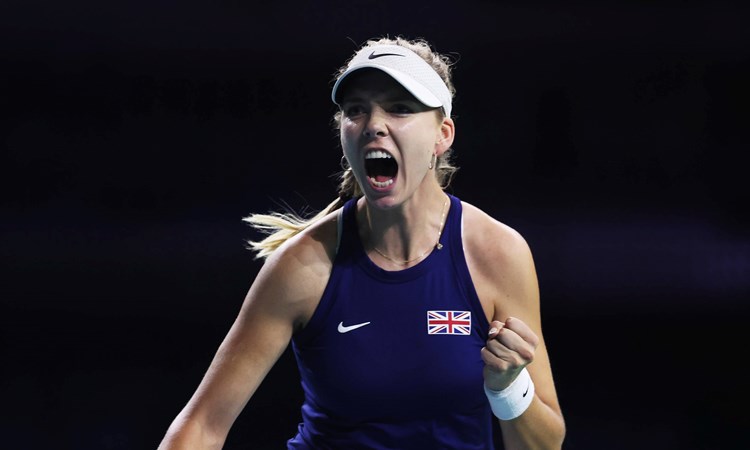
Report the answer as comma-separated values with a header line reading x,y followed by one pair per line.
x,y
381,201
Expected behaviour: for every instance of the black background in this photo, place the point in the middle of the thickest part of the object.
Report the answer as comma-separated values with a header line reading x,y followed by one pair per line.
x,y
136,135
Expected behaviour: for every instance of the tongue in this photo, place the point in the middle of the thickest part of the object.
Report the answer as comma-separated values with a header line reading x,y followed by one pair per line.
x,y
382,178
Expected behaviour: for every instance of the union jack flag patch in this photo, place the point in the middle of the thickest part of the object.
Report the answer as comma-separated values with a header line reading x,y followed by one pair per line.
x,y
449,322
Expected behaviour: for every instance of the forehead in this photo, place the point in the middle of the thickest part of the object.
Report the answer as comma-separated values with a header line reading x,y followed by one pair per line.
x,y
373,83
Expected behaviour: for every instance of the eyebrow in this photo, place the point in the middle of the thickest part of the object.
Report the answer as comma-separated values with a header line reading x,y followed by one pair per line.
x,y
399,97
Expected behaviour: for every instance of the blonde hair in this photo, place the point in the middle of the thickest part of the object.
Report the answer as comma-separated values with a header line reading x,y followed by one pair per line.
x,y
280,227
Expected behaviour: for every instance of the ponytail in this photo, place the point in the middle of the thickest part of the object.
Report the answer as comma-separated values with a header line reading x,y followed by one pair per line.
x,y
280,227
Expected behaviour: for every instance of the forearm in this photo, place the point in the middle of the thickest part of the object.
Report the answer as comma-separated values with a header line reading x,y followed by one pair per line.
x,y
188,434
539,427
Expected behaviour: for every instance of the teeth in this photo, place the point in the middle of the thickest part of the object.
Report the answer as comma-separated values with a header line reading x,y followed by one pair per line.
x,y
381,184
376,154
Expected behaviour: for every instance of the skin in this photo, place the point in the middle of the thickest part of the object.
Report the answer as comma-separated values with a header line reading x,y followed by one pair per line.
x,y
403,222
379,114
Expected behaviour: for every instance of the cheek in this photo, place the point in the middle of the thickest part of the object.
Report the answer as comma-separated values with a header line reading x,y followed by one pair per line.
x,y
346,141
348,135
421,133
349,146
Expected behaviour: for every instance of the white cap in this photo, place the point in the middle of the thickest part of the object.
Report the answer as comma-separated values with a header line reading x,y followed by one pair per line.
x,y
409,69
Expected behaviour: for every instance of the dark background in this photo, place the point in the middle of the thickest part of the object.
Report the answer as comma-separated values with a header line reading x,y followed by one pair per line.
x,y
136,135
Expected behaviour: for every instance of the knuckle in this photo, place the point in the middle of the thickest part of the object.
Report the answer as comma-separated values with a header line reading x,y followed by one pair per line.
x,y
486,355
498,365
517,360
526,355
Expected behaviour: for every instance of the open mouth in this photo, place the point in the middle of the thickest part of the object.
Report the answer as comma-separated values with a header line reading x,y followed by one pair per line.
x,y
381,168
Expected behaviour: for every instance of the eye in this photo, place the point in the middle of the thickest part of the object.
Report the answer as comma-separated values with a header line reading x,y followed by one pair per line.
x,y
401,108
353,109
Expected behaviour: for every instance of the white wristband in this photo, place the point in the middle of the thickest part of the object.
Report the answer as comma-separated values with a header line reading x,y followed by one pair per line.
x,y
512,401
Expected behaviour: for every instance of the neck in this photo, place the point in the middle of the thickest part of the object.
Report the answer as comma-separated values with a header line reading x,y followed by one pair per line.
x,y
406,234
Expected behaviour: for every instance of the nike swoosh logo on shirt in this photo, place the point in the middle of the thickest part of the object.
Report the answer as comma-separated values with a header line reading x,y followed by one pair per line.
x,y
344,329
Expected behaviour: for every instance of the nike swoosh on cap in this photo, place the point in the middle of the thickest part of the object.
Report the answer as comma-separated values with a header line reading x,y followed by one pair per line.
x,y
373,55
344,329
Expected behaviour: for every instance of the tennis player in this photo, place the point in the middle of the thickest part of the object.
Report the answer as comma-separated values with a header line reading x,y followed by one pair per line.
x,y
414,317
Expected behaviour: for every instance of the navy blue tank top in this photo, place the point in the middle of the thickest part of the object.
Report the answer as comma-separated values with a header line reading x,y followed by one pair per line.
x,y
391,359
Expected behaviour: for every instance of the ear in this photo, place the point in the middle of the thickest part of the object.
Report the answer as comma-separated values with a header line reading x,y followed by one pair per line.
x,y
445,136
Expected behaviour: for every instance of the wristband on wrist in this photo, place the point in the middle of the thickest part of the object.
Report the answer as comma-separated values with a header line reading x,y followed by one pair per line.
x,y
512,401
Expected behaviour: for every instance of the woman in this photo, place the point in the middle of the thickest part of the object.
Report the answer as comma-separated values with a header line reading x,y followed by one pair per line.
x,y
413,316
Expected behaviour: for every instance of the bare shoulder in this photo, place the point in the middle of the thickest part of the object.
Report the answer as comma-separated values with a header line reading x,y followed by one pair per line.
x,y
500,263
294,276
309,253
491,240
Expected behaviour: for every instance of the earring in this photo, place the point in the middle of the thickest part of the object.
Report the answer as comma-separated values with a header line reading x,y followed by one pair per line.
x,y
432,162
344,163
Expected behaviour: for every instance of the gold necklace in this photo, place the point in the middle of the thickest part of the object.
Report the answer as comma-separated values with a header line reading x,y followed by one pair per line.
x,y
437,245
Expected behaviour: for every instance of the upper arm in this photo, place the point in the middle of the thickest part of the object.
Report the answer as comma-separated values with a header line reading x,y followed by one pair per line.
x,y
281,299
504,275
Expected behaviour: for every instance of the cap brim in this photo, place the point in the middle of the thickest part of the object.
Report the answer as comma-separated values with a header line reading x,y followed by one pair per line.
x,y
410,84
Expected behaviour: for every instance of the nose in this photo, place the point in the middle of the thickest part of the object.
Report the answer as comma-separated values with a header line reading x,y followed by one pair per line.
x,y
376,125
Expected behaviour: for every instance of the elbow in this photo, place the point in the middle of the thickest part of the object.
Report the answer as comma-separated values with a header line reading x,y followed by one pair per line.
x,y
559,433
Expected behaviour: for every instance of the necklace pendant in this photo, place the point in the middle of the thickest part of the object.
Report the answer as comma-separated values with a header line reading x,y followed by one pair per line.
x,y
439,246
